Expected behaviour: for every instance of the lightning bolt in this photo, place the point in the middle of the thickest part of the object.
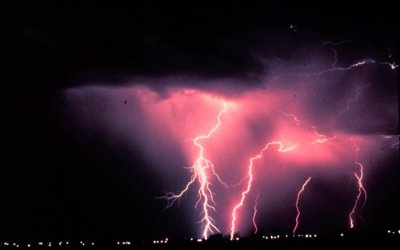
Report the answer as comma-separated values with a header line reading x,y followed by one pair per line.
x,y
250,179
361,190
255,214
321,138
200,172
297,204
394,145
293,116
335,53
358,93
393,66
335,56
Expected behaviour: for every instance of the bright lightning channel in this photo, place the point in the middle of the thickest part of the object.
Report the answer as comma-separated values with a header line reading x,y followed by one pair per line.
x,y
393,66
321,138
361,190
255,214
297,204
200,172
250,179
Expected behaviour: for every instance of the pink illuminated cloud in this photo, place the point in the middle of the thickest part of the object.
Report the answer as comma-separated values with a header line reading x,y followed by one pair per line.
x,y
319,117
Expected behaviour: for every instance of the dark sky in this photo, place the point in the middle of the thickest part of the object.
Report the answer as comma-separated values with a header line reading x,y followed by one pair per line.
x,y
59,181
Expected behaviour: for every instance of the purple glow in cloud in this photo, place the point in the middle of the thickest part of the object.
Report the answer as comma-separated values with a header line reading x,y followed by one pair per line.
x,y
311,113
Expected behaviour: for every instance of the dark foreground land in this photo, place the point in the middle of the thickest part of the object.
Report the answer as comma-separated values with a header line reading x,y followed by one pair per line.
x,y
303,243
356,241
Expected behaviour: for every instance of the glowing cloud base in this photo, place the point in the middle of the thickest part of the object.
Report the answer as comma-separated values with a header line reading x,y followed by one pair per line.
x,y
237,149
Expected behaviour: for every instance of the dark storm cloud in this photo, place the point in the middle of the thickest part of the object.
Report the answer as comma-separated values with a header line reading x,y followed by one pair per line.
x,y
112,44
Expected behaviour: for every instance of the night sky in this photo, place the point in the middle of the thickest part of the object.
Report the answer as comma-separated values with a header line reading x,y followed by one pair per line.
x,y
91,94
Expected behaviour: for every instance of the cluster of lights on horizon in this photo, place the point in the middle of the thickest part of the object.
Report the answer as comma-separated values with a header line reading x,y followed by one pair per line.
x,y
393,232
278,236
124,243
163,241
55,244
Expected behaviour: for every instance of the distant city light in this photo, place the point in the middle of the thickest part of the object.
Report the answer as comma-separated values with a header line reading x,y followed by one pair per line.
x,y
154,242
56,244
